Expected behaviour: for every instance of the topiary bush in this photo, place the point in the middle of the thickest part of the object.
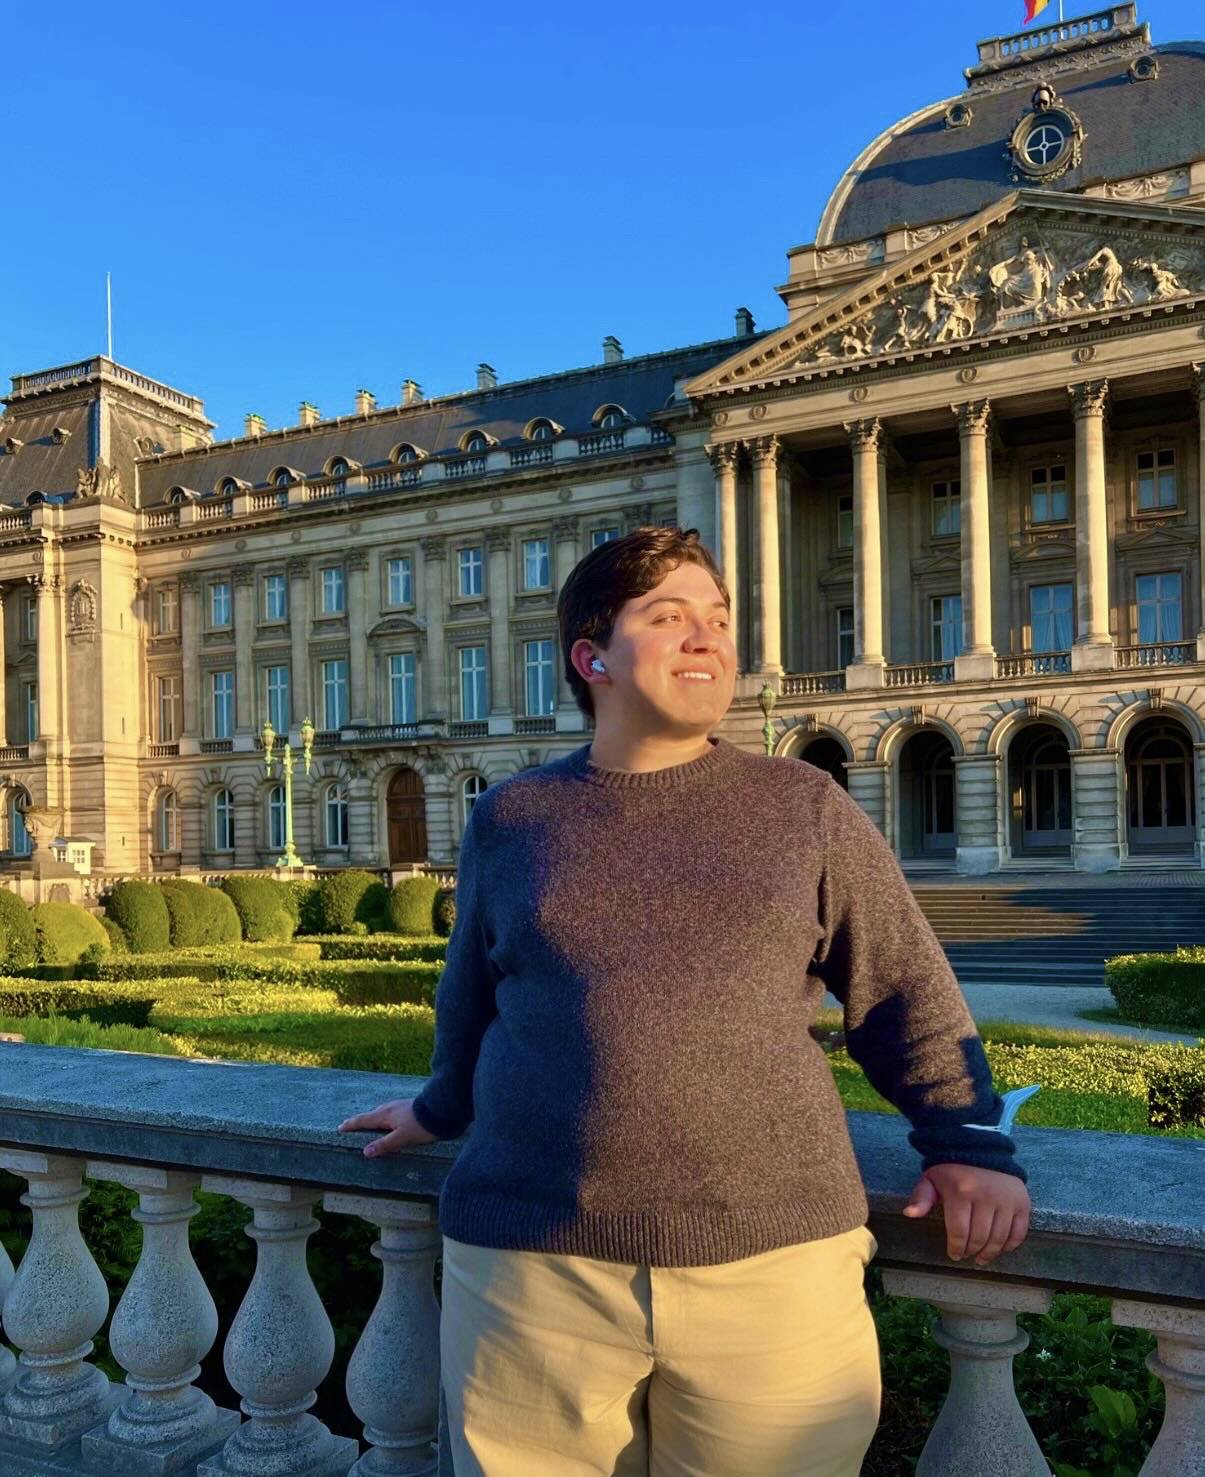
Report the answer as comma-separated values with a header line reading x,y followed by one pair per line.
x,y
18,939
140,911
410,908
199,915
1166,989
353,896
444,912
264,908
304,899
117,939
64,932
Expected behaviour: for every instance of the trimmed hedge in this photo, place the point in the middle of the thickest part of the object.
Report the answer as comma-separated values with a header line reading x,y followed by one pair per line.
x,y
64,931
1160,989
265,908
18,938
117,938
140,911
352,897
1175,1096
107,1005
406,1051
380,946
445,911
199,915
304,900
410,907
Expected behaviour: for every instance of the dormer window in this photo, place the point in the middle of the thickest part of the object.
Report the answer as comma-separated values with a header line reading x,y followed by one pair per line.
x,y
610,417
542,431
228,487
337,467
476,444
281,478
60,435
405,453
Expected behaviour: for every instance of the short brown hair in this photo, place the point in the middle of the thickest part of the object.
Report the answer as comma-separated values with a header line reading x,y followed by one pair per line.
x,y
609,576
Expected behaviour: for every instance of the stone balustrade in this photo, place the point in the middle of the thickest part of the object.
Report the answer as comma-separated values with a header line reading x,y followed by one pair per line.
x,y
1117,1215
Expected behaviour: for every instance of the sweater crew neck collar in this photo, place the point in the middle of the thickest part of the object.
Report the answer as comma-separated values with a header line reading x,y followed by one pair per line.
x,y
716,759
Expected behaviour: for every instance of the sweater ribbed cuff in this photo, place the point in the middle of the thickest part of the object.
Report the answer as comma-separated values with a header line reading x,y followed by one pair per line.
x,y
954,1143
442,1128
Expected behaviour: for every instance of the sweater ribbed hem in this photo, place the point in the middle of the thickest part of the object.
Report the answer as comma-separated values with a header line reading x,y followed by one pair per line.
x,y
701,1237
721,756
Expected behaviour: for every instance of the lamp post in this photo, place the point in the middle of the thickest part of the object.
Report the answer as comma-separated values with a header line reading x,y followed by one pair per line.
x,y
289,857
766,698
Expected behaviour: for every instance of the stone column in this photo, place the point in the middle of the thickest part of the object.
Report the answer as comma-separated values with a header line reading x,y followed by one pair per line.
x,y
976,810
869,785
498,547
434,705
723,461
299,636
569,717
976,662
764,451
1097,797
1093,648
243,576
357,635
1199,386
884,553
3,669
190,677
47,587
869,663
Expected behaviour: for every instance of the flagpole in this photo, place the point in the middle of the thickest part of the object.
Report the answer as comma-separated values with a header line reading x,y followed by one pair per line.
x,y
109,300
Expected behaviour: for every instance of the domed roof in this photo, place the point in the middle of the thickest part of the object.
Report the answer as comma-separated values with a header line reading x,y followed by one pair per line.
x,y
941,163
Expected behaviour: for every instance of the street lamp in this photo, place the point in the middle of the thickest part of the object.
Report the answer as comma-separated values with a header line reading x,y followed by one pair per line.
x,y
289,857
766,698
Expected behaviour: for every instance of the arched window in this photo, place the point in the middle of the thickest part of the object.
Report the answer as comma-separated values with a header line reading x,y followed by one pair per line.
x,y
476,443
228,488
21,840
276,817
282,477
405,453
167,822
223,821
337,467
609,417
335,807
542,431
470,792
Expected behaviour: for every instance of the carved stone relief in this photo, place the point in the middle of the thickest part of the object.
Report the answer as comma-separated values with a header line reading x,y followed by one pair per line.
x,y
853,253
81,612
1149,186
101,480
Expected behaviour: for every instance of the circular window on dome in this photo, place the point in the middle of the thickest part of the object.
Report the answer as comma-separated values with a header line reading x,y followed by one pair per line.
x,y
1046,142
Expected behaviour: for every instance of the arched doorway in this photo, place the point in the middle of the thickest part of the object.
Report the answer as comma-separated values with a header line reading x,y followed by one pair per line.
x,y
827,754
406,815
1039,787
928,827
1161,812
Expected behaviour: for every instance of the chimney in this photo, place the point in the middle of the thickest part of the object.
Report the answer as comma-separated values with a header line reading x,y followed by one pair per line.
x,y
487,377
412,392
308,415
254,425
612,350
366,402
744,323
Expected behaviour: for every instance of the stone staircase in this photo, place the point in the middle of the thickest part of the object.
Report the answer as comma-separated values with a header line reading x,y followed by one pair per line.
x,y
1055,935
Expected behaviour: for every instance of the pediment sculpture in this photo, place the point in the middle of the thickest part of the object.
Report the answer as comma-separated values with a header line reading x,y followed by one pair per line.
x,y
1015,280
101,480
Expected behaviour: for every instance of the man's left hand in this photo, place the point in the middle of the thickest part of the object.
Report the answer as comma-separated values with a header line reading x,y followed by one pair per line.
x,y
986,1212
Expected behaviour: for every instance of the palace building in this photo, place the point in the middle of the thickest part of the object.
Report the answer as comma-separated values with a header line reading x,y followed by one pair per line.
x,y
959,499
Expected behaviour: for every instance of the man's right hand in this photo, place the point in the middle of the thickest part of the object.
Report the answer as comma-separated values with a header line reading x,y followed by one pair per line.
x,y
398,1117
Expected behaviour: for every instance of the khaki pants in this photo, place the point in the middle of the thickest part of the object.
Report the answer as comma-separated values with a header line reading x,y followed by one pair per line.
x,y
563,1366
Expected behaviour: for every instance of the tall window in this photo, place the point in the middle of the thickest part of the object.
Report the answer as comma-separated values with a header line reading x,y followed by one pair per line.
x,y
401,687
539,678
471,575
845,521
470,792
222,704
276,597
947,508
335,807
1157,479
474,698
400,589
22,841
223,821
219,603
602,536
1048,494
845,635
333,602
30,610
334,693
276,685
535,564
167,821
168,706
1050,618
167,610
1159,612
31,711
276,817
946,627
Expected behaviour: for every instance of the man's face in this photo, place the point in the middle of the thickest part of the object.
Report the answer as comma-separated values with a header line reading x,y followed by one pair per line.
x,y
680,626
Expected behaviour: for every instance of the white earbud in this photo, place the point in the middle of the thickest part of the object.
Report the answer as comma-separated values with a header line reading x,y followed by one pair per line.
x,y
597,665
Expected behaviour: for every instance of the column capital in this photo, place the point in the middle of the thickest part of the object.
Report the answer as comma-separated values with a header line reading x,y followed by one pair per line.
x,y
1198,378
764,450
1088,398
565,527
723,456
498,540
298,568
45,584
973,417
242,575
864,435
357,560
434,546
190,582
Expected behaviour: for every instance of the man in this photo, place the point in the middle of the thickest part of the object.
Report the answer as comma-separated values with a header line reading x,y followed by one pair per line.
x,y
655,1238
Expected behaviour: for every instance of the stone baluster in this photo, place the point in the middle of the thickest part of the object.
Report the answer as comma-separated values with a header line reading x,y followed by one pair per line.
x,y
164,1325
976,658
764,452
57,1302
1093,648
393,1375
1179,1361
8,1361
981,1427
723,460
280,1344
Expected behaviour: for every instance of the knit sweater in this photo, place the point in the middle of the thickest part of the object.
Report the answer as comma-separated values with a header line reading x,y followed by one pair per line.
x,y
623,1013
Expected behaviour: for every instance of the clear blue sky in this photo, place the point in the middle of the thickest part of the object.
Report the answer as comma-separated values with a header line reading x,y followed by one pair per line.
x,y
299,200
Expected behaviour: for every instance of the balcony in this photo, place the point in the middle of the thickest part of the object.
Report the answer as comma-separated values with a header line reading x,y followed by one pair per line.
x,y
217,746
400,733
808,684
1155,654
918,674
167,750
530,727
532,456
1111,1216
1034,664
14,754
600,443
464,466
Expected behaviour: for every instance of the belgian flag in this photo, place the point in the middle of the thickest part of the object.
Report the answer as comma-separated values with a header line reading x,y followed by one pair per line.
x,y
1034,8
